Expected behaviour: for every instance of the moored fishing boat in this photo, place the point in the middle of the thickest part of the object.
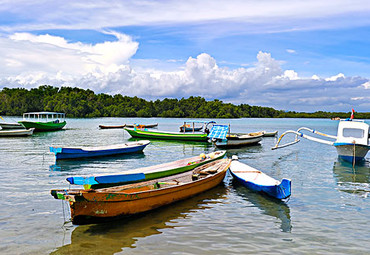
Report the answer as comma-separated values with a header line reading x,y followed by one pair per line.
x,y
43,121
259,181
190,126
352,141
111,126
109,203
151,134
17,132
147,173
221,137
6,125
98,151
142,125
269,134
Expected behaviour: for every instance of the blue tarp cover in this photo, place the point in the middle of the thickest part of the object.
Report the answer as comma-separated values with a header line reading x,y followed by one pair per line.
x,y
219,131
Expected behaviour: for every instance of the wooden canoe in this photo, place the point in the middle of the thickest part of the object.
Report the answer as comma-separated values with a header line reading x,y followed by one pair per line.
x,y
164,135
270,134
258,181
17,132
110,127
141,125
5,125
87,152
93,205
147,173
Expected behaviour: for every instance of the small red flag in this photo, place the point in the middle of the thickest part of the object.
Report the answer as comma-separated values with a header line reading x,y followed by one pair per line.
x,y
353,111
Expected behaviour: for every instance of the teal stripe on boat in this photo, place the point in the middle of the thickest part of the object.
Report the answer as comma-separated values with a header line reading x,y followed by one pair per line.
x,y
119,178
82,180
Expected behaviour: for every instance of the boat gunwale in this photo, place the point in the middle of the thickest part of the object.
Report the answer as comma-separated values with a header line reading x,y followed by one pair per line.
x,y
91,195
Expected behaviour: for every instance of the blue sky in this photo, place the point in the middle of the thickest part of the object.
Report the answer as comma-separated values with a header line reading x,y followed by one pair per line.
x,y
290,55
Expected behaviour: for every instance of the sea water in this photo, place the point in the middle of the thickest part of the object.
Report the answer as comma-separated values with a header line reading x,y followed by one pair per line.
x,y
328,212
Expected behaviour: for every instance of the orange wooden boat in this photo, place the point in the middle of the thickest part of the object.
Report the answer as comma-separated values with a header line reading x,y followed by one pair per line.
x,y
94,205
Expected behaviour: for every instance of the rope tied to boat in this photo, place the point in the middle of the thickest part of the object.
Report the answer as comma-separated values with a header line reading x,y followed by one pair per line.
x,y
354,154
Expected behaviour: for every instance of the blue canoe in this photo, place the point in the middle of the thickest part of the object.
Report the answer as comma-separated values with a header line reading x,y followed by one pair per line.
x,y
258,181
87,152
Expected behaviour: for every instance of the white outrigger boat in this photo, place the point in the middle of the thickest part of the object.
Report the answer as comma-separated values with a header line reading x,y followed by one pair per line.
x,y
352,141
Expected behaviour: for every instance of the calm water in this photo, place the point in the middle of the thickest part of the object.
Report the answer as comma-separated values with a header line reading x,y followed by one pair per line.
x,y
328,212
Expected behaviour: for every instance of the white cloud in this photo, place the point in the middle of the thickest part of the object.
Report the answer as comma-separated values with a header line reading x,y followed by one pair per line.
x,y
291,51
336,77
30,61
290,74
366,85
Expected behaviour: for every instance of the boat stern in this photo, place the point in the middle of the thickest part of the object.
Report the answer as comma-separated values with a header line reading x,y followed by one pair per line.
x,y
284,189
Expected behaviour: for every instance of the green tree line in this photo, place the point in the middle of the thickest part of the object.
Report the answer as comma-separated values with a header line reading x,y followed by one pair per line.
x,y
76,102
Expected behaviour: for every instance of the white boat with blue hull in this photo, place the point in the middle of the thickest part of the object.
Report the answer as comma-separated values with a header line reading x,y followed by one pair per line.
x,y
352,141
259,181
88,152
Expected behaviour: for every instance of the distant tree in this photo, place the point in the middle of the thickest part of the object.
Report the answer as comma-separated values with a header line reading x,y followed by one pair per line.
x,y
76,102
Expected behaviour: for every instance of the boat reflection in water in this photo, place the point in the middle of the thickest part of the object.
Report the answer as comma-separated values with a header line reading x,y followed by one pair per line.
x,y
117,236
351,178
269,206
76,165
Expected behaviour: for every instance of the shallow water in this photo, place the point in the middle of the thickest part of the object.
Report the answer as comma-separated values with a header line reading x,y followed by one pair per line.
x,y
327,213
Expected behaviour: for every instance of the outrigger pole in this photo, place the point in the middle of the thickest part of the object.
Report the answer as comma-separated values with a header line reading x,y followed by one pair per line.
x,y
299,133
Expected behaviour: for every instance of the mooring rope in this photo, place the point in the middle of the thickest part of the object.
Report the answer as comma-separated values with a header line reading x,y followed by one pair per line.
x,y
354,154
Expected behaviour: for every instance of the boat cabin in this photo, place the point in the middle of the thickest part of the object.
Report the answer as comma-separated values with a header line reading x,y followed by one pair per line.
x,y
44,116
350,131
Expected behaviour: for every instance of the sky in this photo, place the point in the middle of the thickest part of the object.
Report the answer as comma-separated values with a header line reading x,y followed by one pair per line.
x,y
287,54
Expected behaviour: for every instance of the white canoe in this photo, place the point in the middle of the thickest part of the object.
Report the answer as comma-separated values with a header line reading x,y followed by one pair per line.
x,y
259,181
17,132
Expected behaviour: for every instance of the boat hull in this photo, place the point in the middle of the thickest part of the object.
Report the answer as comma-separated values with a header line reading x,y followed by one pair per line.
x,y
142,126
43,126
146,173
269,134
237,142
351,152
73,153
11,126
257,181
167,135
110,127
87,206
17,132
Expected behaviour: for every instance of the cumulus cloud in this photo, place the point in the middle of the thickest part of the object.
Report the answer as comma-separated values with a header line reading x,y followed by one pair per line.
x,y
336,77
29,58
29,61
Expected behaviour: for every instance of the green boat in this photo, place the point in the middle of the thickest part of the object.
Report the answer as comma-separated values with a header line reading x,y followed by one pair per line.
x,y
149,134
146,173
43,121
